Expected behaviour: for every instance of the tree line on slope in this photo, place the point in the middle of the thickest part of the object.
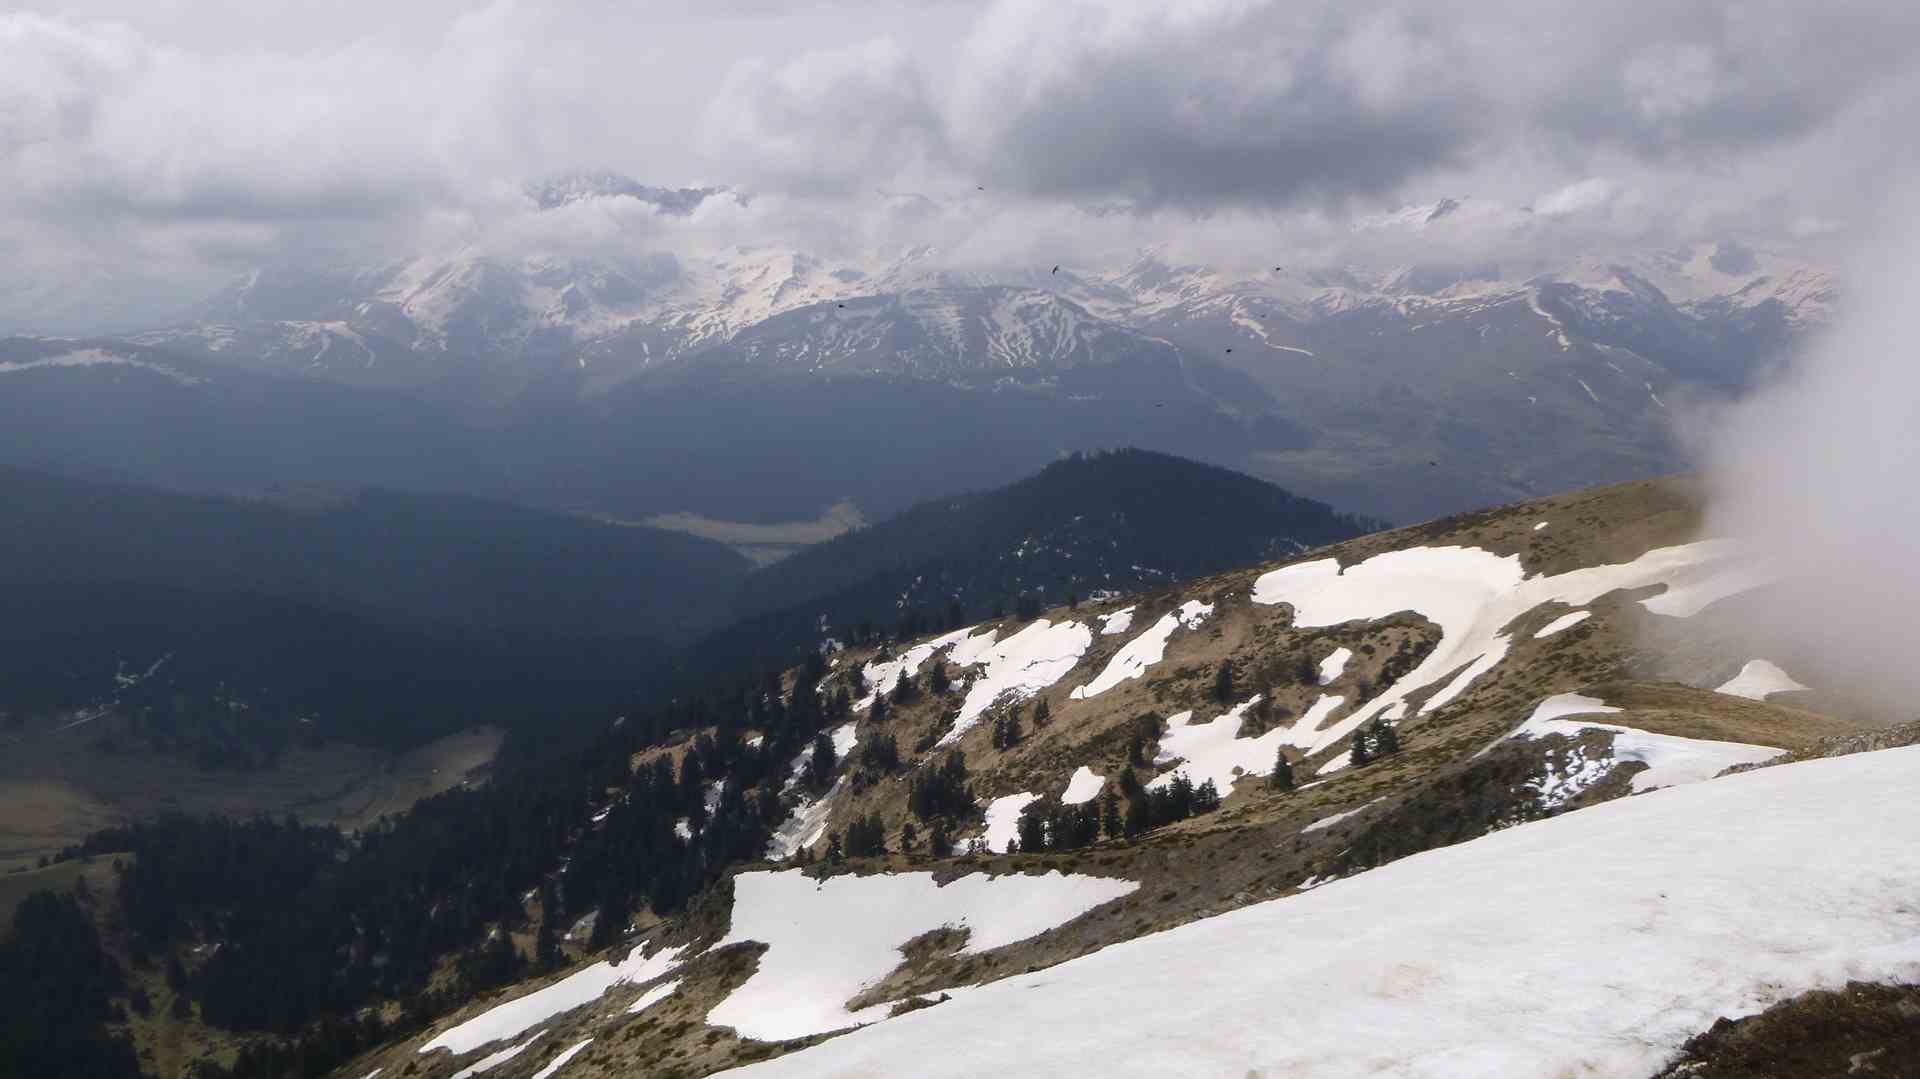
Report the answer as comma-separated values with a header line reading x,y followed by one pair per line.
x,y
287,930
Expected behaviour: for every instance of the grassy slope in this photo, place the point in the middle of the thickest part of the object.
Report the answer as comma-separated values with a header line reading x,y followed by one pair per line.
x,y
1435,792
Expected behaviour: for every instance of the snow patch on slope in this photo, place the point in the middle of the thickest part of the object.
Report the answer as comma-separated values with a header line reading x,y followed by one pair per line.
x,y
828,940
1084,784
1022,665
1565,621
881,676
1331,666
1134,657
521,1014
1473,595
1003,820
1759,680
560,1061
1670,760
487,1064
1592,943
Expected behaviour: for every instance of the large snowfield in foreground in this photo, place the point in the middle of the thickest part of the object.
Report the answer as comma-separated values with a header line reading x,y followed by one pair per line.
x,y
1590,944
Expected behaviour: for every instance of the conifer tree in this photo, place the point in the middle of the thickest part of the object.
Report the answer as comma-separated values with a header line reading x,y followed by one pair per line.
x,y
1282,777
1386,739
1361,753
909,837
1223,682
1207,798
835,852
939,843
1014,733
819,774
1033,831
905,690
1042,713
1110,821
938,681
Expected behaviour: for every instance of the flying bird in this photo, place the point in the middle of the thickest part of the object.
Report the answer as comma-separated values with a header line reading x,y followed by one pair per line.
x,y
1056,269
1229,350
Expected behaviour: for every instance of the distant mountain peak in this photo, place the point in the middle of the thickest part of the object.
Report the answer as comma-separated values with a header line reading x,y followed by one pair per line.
x,y
580,184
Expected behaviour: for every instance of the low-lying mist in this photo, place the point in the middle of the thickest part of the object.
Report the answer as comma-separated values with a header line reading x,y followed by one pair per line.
x,y
1818,471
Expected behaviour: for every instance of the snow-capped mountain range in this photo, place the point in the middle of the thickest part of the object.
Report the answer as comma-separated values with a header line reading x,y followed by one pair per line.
x,y
1405,392
450,317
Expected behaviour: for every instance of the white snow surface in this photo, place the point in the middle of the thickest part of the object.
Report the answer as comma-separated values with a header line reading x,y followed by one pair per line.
x,y
1003,820
93,357
1134,657
653,996
1083,786
1539,525
1022,665
523,1013
1592,944
808,821
561,1060
828,940
1331,666
1759,680
1328,822
881,676
1473,595
1670,760
1118,622
1565,621
488,1063
1214,750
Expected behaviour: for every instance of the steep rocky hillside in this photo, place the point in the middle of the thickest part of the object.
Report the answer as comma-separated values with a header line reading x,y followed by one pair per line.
x,y
1106,771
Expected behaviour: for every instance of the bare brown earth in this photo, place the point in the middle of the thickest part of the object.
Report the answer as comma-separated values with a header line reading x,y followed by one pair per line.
x,y
1869,1031
1440,789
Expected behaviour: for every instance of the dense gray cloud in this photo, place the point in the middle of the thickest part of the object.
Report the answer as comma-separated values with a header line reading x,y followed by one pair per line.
x,y
177,141
1815,473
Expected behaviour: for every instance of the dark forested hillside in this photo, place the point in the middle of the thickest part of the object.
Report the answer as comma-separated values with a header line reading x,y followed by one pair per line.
x,y
286,932
224,628
1102,522
418,559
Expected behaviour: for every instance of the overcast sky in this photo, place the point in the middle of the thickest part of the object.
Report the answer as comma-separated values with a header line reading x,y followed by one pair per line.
x,y
154,147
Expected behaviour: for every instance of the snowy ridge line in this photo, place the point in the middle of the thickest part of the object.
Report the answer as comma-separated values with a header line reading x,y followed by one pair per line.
x,y
1687,911
1473,595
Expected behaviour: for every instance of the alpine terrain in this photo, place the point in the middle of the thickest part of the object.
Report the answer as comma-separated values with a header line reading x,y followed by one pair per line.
x,y
1517,792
